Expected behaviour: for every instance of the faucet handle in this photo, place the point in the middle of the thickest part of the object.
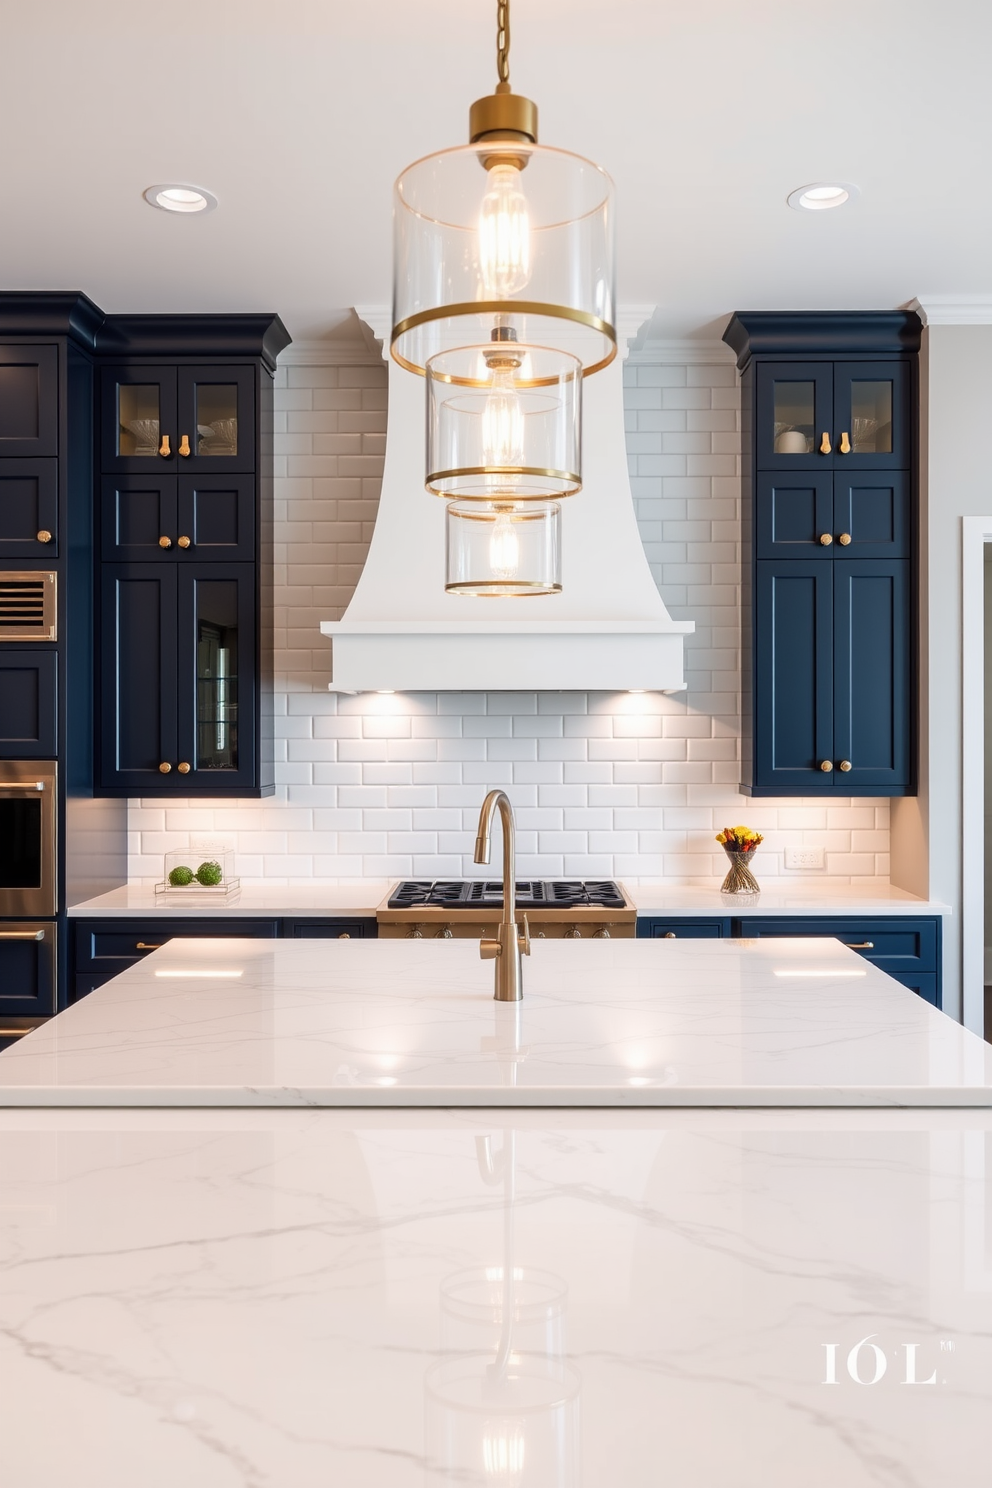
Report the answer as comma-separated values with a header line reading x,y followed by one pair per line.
x,y
524,940
489,949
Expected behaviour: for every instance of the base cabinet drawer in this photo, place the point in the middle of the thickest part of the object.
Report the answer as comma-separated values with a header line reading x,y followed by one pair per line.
x,y
664,927
111,946
895,945
336,929
27,968
925,983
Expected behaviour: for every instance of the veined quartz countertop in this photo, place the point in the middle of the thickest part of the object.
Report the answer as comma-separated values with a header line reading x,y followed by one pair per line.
x,y
283,901
782,898
412,1299
237,1022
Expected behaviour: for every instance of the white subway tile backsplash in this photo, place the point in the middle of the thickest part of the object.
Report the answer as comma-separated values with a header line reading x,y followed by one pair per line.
x,y
606,785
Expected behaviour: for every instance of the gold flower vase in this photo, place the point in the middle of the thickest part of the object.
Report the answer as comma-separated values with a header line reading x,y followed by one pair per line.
x,y
740,879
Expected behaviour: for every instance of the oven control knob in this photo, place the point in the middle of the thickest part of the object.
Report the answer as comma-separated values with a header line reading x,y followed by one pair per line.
x,y
444,933
540,935
573,933
602,934
416,933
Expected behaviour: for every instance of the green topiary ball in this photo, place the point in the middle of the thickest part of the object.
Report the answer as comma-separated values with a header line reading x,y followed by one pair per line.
x,y
209,874
180,877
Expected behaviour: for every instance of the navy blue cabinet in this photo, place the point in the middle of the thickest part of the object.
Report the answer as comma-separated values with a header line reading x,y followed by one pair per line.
x,y
29,509
27,968
29,400
179,683
667,927
28,703
827,686
185,627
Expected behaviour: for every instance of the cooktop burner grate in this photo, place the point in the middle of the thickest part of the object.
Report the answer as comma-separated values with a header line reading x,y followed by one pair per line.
x,y
488,894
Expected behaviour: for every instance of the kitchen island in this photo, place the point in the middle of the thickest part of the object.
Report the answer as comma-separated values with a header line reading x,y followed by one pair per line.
x,y
409,1298
238,1022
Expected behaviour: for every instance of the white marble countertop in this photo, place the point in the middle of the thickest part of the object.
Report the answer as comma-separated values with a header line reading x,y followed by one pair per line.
x,y
783,898
236,1022
800,897
293,1299
282,901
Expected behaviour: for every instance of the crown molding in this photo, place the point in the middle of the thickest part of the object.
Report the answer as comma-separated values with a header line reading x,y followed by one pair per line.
x,y
681,353
953,309
351,353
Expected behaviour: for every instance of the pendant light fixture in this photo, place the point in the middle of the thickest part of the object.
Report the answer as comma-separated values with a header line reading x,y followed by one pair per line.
x,y
503,298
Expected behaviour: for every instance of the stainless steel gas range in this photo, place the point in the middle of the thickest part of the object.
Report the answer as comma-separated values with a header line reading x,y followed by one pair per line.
x,y
466,909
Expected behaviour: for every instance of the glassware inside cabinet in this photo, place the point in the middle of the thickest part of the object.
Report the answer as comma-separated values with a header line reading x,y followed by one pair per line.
x,y
139,420
794,415
217,675
216,418
871,417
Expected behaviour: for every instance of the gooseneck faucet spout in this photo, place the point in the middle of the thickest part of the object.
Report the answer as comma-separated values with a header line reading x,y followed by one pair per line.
x,y
508,946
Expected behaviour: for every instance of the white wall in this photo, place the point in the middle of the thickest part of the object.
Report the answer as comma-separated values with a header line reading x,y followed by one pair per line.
x,y
957,482
605,785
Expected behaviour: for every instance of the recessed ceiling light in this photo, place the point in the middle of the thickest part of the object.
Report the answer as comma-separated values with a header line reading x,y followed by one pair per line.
x,y
820,196
174,198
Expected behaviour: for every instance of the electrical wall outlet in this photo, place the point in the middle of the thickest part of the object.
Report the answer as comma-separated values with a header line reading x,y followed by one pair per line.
x,y
804,857
210,842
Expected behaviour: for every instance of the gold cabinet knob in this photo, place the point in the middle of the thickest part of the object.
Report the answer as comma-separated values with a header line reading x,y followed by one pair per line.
x,y
845,765
825,444
826,766
670,935
825,539
346,936
164,768
183,768
845,539
165,542
43,536
185,542
184,448
164,448
845,444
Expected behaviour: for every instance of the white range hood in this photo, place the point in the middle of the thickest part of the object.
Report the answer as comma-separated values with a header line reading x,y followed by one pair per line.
x,y
608,630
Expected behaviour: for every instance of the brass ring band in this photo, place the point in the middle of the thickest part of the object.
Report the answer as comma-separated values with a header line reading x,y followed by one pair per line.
x,y
492,518
503,307
500,589
560,475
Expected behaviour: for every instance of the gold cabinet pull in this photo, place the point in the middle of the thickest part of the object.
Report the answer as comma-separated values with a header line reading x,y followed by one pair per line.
x,y
165,542
825,539
145,946
165,448
44,536
183,768
22,934
845,765
826,766
825,444
184,448
185,542
164,767
860,945
845,539
845,444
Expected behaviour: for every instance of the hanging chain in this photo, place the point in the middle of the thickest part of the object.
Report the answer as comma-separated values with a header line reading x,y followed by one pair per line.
x,y
503,41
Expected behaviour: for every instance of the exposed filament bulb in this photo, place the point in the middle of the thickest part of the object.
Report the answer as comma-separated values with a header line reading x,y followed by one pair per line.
x,y
504,545
503,426
504,234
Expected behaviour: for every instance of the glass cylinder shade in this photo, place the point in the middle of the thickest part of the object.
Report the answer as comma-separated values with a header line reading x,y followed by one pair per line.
x,y
496,230
503,550
503,423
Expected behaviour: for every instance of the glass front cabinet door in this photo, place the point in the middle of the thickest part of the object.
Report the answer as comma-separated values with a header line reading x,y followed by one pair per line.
x,y
179,679
194,419
828,415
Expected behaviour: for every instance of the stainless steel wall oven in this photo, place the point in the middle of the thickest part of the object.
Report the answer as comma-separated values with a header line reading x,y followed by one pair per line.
x,y
28,838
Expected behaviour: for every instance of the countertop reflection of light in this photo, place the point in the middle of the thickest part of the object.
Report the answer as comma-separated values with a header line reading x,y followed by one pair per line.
x,y
198,973
834,972
386,1080
639,1080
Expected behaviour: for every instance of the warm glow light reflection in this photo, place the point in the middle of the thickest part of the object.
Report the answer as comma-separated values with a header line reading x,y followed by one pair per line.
x,y
504,234
198,973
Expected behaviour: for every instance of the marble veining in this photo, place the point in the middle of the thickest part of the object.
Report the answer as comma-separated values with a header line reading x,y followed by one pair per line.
x,y
405,1023
255,1299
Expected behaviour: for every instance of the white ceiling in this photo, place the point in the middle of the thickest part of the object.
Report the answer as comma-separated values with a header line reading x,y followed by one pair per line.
x,y
298,114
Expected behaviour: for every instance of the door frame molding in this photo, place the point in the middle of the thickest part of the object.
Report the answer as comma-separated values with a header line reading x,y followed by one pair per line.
x,y
975,533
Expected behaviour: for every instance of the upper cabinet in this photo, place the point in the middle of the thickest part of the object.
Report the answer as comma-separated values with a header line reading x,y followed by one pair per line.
x,y
185,619
829,562
823,415
29,401
183,418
